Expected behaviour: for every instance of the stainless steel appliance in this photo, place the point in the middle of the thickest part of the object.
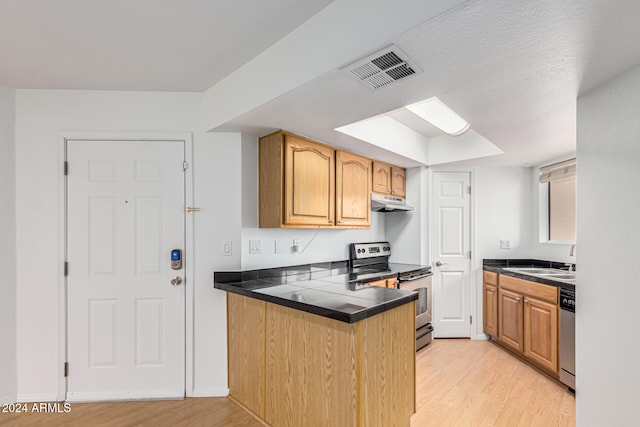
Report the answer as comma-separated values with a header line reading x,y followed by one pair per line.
x,y
369,260
382,203
421,283
568,338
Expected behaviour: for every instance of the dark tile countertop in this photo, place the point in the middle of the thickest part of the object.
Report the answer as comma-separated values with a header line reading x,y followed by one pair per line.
x,y
499,265
330,289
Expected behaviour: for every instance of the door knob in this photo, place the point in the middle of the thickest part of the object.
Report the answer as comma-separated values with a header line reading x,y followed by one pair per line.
x,y
439,264
177,281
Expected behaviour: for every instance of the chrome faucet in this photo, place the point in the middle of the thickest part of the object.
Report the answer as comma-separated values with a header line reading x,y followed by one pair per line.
x,y
572,252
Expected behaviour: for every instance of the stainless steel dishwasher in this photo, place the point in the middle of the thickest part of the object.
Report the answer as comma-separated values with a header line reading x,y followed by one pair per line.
x,y
568,338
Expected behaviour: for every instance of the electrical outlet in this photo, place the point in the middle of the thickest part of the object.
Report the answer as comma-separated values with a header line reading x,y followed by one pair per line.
x,y
277,246
255,246
226,248
296,245
505,244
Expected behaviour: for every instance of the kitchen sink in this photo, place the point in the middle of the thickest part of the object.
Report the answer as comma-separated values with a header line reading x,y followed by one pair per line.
x,y
547,273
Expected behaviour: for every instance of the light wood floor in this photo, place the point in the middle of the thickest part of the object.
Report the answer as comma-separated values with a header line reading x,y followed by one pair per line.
x,y
477,383
459,383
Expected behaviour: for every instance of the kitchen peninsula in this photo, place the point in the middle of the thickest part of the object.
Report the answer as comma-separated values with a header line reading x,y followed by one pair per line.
x,y
311,345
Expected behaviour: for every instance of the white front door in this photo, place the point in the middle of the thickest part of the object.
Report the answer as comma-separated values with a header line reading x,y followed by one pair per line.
x,y
125,319
451,255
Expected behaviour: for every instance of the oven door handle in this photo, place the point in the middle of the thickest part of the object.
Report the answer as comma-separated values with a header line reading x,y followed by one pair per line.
x,y
410,278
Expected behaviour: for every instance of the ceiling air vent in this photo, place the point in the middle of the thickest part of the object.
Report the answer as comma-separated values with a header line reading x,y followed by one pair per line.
x,y
382,68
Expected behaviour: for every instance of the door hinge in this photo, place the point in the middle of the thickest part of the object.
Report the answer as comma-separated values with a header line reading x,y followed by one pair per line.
x,y
469,189
185,166
471,319
66,168
66,269
469,254
66,369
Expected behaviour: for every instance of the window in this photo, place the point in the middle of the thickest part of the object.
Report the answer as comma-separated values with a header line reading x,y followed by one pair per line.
x,y
558,202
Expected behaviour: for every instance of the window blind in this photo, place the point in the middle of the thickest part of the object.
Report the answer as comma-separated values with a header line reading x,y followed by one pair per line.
x,y
558,171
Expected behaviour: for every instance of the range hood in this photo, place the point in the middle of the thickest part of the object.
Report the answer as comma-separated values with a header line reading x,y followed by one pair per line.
x,y
380,203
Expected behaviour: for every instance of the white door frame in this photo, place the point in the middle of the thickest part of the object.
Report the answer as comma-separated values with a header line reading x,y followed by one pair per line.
x,y
473,292
185,137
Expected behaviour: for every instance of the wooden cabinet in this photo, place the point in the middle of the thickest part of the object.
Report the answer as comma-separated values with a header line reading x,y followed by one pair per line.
x,y
541,333
301,186
353,189
389,180
385,283
528,320
293,368
398,182
490,304
510,319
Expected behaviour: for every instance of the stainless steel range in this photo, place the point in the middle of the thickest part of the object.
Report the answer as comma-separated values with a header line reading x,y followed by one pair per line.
x,y
372,260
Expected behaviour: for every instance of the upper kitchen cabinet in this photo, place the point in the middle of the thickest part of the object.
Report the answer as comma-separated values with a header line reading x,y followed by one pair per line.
x,y
296,182
353,189
398,182
390,180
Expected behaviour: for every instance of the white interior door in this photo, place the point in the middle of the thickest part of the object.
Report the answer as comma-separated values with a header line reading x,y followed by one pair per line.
x,y
452,256
125,319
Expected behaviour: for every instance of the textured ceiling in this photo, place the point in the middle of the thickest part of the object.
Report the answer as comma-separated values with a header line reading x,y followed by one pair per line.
x,y
162,45
513,69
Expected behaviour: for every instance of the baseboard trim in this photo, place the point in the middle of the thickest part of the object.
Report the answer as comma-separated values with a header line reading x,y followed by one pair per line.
x,y
45,397
9,398
210,392
119,396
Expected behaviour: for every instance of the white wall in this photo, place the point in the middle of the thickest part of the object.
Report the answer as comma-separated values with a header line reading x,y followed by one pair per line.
x,y
408,232
504,207
40,117
8,382
328,245
608,293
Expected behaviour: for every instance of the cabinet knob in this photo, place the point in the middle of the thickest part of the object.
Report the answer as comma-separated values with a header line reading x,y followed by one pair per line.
x,y
491,290
518,299
339,222
330,221
526,301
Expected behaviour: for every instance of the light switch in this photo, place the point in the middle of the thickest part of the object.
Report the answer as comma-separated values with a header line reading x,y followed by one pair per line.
x,y
505,244
226,248
277,246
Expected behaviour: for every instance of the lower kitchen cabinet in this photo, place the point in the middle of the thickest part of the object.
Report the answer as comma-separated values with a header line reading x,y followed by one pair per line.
x,y
528,321
511,320
490,310
385,283
490,303
541,333
292,368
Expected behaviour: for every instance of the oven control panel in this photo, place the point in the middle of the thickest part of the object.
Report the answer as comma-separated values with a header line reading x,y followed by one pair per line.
x,y
369,250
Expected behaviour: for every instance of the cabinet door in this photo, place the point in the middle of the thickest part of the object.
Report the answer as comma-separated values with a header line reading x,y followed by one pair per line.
x,y
490,310
541,333
381,178
380,283
309,183
398,182
353,189
510,319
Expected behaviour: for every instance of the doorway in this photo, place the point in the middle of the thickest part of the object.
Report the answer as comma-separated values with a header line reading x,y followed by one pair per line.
x,y
451,197
125,214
